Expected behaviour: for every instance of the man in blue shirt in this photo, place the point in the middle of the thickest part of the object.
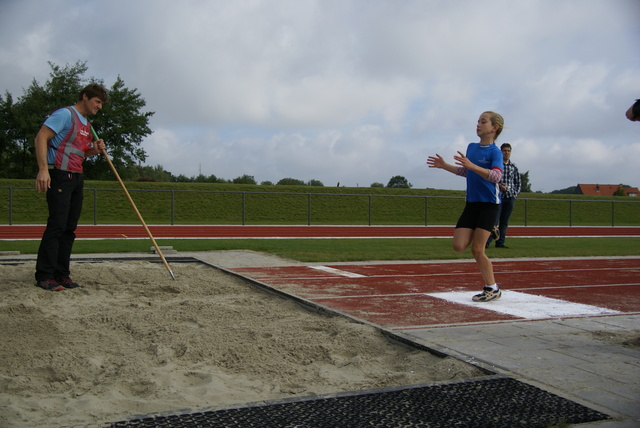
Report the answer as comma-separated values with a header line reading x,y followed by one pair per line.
x,y
61,145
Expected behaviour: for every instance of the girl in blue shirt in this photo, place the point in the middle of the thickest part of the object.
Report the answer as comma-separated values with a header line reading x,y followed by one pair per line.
x,y
482,166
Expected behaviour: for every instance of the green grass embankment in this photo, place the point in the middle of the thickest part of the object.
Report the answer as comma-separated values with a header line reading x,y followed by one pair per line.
x,y
214,203
205,203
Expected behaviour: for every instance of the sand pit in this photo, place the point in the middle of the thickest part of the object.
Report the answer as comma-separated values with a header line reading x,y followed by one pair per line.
x,y
132,341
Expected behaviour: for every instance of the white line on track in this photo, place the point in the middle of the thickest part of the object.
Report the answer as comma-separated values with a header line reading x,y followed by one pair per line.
x,y
338,271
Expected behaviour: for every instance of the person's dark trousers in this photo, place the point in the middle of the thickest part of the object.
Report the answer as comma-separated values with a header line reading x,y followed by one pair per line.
x,y
506,208
64,199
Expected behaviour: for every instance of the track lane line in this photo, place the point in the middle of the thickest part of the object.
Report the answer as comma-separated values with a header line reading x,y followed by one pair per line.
x,y
338,272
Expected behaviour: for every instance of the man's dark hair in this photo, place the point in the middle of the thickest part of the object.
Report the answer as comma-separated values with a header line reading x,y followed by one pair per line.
x,y
94,90
505,145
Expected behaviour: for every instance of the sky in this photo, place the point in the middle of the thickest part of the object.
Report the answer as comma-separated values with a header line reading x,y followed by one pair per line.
x,y
353,91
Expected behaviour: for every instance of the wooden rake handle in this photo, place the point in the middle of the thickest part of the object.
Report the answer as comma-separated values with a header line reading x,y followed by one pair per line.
x,y
126,192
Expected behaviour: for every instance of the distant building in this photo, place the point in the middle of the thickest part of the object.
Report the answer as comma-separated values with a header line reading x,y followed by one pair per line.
x,y
606,189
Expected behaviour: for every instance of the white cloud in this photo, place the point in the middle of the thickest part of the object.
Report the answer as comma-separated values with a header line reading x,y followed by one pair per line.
x,y
353,91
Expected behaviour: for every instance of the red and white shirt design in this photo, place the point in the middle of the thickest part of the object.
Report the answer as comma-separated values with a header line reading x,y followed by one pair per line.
x,y
70,153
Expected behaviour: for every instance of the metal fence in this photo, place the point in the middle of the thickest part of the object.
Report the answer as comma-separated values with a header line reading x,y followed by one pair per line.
x,y
22,205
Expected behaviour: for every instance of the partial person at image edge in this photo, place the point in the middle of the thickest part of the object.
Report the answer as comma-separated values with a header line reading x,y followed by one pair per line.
x,y
633,113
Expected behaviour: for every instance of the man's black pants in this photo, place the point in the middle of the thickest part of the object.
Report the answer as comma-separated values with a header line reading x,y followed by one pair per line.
x,y
64,199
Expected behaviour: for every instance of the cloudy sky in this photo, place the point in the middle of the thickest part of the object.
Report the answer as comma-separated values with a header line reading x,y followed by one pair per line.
x,y
353,91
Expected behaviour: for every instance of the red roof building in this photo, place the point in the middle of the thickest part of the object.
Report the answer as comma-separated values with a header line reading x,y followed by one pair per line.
x,y
606,189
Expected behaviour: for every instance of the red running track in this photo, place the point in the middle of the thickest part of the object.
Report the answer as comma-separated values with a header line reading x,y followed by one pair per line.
x,y
169,232
405,296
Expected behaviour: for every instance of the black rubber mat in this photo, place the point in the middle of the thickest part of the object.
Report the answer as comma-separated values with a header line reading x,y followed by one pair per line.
x,y
490,402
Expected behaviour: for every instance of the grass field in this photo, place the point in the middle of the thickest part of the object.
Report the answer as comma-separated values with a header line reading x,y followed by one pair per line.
x,y
342,250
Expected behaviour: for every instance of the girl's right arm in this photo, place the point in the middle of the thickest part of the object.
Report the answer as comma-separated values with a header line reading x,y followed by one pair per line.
x,y
438,162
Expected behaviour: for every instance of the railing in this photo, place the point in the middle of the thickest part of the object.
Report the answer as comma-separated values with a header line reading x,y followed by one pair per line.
x,y
109,206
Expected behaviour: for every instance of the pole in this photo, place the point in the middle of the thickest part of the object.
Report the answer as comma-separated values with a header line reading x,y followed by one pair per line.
x,y
113,169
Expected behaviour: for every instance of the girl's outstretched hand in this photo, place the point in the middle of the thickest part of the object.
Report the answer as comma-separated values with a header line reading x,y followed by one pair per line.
x,y
462,160
435,161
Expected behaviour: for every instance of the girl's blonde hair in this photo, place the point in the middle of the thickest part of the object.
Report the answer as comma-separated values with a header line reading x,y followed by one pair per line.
x,y
496,120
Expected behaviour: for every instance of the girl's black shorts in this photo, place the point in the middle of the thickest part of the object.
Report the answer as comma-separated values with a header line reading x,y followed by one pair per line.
x,y
483,215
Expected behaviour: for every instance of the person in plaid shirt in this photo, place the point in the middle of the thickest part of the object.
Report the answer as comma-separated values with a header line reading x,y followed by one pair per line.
x,y
510,186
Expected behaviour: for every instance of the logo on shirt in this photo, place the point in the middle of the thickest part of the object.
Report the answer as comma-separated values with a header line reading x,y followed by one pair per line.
x,y
484,161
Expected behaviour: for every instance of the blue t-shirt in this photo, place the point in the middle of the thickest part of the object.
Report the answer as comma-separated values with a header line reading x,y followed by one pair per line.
x,y
59,122
479,189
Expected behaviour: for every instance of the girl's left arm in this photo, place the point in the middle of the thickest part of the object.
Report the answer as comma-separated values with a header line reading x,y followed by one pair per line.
x,y
494,174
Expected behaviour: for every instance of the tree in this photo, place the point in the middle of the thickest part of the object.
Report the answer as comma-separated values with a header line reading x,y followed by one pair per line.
x,y
245,179
120,123
376,184
316,183
181,179
150,173
290,182
571,190
524,182
9,149
122,126
399,182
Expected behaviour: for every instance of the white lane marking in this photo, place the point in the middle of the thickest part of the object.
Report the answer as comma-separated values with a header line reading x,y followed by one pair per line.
x,y
338,271
528,306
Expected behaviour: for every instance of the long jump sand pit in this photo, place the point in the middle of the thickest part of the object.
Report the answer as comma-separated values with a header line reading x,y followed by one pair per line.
x,y
132,341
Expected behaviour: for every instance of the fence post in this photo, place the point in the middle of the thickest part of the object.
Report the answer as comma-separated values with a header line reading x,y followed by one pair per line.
x,y
173,206
308,209
10,206
243,207
95,207
613,213
570,212
370,207
426,210
526,212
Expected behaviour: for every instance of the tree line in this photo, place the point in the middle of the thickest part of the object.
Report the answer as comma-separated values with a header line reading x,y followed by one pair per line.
x,y
122,122
157,173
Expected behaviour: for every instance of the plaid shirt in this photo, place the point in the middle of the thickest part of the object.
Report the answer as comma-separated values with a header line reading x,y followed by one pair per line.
x,y
511,177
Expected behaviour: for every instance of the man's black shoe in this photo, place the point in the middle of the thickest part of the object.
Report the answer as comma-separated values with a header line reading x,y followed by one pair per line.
x,y
67,282
49,285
